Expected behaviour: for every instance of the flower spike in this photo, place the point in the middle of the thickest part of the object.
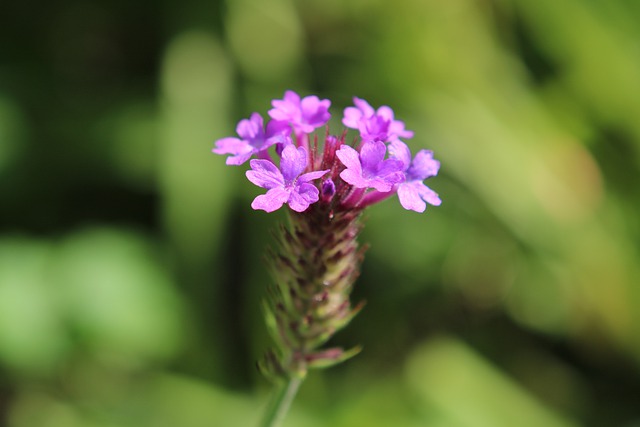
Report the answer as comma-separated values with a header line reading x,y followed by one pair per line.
x,y
326,184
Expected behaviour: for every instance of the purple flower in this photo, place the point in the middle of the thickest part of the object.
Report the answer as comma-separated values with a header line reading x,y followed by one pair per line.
x,y
304,115
374,125
412,192
253,139
368,169
284,185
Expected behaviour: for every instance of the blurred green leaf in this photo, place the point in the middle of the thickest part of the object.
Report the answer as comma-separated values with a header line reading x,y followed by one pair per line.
x,y
472,392
118,296
196,92
265,39
33,339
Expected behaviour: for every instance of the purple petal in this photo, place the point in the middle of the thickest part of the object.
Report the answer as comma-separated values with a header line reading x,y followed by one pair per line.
x,y
231,145
277,127
276,139
390,166
385,182
413,195
280,111
383,185
399,150
311,176
364,106
293,162
371,154
352,116
423,166
292,97
409,197
429,195
239,159
350,158
265,174
302,197
287,109
273,200
351,177
314,109
280,145
251,128
385,112
374,128
397,128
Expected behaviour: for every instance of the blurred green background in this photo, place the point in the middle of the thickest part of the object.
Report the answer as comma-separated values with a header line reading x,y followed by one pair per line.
x,y
131,264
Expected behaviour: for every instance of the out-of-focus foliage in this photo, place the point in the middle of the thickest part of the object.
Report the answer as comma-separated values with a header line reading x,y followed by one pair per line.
x,y
130,260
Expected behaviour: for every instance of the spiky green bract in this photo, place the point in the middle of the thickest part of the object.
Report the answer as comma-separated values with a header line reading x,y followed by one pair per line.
x,y
314,266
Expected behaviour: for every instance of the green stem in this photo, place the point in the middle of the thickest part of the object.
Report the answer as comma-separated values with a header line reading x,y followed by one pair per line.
x,y
281,403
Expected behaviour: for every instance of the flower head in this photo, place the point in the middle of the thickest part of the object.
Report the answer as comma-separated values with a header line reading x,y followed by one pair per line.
x,y
374,125
368,169
253,139
284,185
305,115
357,176
412,193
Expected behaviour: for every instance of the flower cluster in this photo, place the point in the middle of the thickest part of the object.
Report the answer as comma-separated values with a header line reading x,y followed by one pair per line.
x,y
336,174
316,259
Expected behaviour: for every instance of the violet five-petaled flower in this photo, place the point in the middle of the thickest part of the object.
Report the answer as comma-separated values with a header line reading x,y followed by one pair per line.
x,y
305,115
253,139
368,169
373,169
374,125
285,185
412,193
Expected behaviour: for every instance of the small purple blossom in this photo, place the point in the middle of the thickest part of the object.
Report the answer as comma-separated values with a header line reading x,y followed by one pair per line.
x,y
412,193
374,125
285,185
327,189
368,169
253,139
304,114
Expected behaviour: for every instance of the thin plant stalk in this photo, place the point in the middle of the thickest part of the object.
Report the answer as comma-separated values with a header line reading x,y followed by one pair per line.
x,y
281,403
